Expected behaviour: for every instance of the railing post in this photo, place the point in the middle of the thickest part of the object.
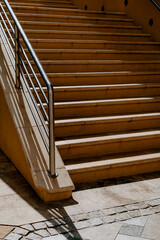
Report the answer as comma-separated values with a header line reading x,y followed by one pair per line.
x,y
17,61
52,163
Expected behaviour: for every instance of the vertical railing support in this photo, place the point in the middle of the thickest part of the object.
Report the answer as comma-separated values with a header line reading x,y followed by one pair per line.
x,y
52,163
17,60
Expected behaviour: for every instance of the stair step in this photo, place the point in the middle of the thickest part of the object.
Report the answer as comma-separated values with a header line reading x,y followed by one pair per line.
x,y
101,54
74,19
101,78
86,35
98,65
112,144
92,92
117,166
80,127
106,107
79,27
41,4
70,12
94,44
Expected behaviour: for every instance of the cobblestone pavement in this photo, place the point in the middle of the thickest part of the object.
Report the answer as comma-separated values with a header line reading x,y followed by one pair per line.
x,y
132,219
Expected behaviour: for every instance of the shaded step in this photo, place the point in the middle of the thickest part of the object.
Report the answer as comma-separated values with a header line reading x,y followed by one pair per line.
x,y
98,65
85,54
74,19
69,128
70,12
106,107
90,78
92,92
114,166
80,27
84,35
94,44
42,4
112,144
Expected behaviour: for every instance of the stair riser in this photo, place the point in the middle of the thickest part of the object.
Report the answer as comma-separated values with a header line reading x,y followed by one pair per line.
x,y
63,12
102,110
82,95
96,56
109,147
120,171
73,20
80,28
101,80
89,45
99,67
49,5
79,36
105,127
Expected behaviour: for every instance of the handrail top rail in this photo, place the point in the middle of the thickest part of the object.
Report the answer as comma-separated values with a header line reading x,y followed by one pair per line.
x,y
156,4
32,52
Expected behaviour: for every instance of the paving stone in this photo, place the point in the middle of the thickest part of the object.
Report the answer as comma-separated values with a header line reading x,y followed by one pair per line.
x,y
109,219
131,230
122,217
95,222
80,217
120,209
146,212
52,231
21,231
95,214
125,237
132,207
59,237
135,213
13,236
34,236
152,228
82,224
142,205
140,221
42,233
39,225
65,228
53,223
110,211
28,227
156,209
154,203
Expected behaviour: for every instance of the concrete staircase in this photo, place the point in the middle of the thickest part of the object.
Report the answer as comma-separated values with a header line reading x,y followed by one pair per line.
x,y
106,76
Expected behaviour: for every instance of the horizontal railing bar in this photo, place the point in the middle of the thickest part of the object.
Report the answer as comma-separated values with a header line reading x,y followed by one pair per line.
x,y
155,4
33,100
39,128
7,30
34,74
39,100
7,18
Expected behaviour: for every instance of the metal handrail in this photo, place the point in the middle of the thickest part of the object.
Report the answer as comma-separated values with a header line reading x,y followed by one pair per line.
x,y
155,4
50,101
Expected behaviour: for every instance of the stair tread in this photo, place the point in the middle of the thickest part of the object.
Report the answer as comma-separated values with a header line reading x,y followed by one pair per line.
x,y
92,120
77,17
105,102
78,25
109,138
87,33
120,161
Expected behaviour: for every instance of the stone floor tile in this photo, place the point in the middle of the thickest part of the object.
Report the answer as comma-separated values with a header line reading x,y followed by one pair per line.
x,y
135,213
95,222
82,224
154,203
42,233
124,237
28,227
132,207
21,231
110,211
52,231
120,209
131,230
39,225
100,232
152,228
59,237
13,236
5,230
140,221
32,236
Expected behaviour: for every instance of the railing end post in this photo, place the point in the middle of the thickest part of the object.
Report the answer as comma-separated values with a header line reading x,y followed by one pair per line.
x,y
52,175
